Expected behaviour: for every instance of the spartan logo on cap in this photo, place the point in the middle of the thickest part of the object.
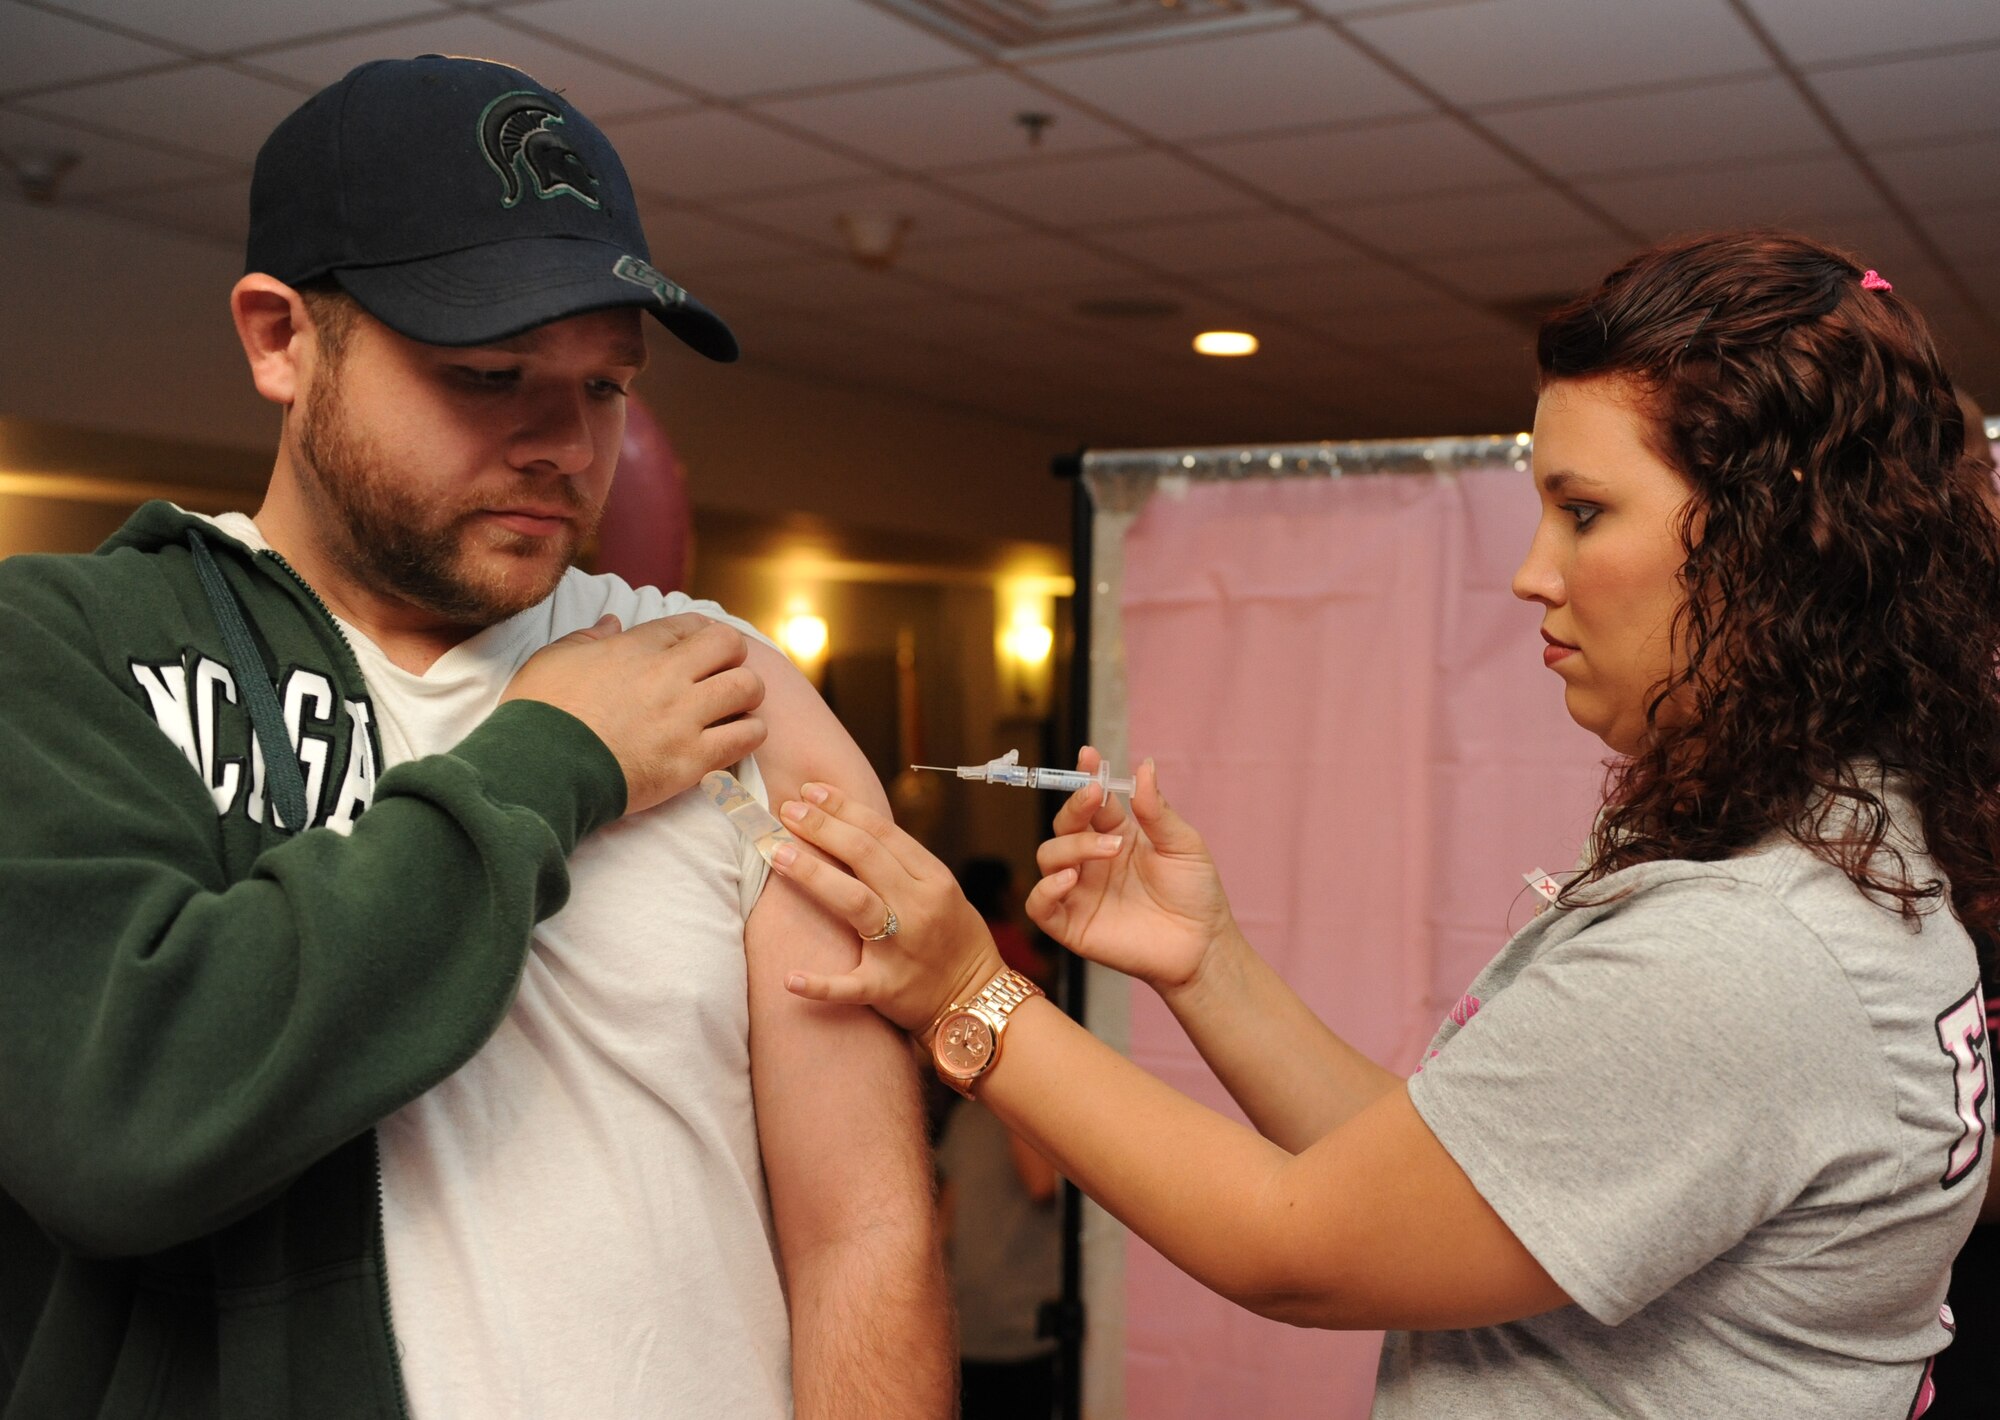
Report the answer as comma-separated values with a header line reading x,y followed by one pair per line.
x,y
518,134
642,273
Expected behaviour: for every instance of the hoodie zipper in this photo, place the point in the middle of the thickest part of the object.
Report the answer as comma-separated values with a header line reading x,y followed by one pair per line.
x,y
307,588
374,1139
382,1279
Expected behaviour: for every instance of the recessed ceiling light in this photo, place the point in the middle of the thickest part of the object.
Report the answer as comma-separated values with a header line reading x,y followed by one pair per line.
x,y
1226,342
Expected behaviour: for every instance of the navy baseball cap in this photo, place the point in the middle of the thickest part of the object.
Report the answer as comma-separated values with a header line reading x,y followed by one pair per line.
x,y
459,202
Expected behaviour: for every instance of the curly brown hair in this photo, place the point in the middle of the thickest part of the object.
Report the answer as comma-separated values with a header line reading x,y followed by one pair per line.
x,y
1843,592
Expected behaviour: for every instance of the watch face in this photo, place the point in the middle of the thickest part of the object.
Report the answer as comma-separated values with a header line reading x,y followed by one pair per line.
x,y
964,1043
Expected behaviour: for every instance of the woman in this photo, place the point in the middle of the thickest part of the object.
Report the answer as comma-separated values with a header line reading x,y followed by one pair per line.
x,y
1705,1135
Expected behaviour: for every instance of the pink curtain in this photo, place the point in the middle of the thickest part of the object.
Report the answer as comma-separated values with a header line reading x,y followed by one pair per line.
x,y
1346,699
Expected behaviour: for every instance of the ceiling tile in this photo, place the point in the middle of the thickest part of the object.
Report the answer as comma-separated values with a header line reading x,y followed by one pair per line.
x,y
1755,194
1432,320
1810,31
835,348
1916,98
1215,244
41,49
1531,271
949,122
1369,164
685,243
932,319
818,285
1476,221
764,330
217,211
1753,118
714,153
107,164
1484,366
1326,288
1024,262
1272,78
737,47
1092,358
1115,188
1966,232
226,26
1343,9
935,217
1505,50
1172,335
1965,333
207,108
1944,175
1878,239
597,89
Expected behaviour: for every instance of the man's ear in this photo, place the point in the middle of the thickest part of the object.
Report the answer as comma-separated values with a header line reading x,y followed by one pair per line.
x,y
277,335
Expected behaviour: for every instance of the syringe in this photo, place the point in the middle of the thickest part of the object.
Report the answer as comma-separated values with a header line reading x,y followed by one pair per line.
x,y
1008,769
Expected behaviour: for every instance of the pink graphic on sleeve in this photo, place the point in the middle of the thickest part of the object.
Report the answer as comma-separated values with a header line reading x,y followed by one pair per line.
x,y
1465,1010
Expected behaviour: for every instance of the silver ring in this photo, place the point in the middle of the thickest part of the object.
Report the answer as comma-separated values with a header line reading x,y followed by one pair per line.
x,y
889,928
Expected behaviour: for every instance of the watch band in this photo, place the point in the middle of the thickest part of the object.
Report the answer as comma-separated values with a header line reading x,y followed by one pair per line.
x,y
994,1004
1008,989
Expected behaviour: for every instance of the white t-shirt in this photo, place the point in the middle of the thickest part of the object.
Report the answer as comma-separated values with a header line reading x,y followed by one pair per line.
x,y
577,1222
1742,1115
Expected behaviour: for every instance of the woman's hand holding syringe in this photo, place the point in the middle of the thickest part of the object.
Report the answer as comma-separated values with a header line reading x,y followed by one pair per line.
x,y
1154,908
1132,890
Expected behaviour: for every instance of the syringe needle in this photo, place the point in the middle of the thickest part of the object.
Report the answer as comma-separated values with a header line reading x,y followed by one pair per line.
x,y
940,768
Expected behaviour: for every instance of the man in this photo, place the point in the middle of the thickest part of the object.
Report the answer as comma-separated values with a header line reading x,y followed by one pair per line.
x,y
657,1184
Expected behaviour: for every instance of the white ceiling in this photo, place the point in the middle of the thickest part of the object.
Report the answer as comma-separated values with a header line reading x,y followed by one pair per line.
x,y
1367,186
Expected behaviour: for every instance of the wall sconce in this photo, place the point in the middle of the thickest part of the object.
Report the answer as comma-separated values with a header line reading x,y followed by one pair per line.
x,y
803,636
1026,645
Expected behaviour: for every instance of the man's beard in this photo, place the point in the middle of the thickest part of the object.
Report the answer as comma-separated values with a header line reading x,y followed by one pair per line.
x,y
394,542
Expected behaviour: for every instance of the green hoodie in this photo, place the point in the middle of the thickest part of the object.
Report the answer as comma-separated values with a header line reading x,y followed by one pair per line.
x,y
203,1014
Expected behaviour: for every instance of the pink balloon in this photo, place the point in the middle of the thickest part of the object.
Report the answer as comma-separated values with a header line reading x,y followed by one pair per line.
x,y
647,536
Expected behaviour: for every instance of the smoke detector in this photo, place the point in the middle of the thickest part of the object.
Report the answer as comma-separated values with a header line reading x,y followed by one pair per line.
x,y
873,238
39,171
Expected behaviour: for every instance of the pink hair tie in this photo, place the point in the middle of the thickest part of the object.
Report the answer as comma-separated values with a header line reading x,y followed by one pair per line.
x,y
1872,281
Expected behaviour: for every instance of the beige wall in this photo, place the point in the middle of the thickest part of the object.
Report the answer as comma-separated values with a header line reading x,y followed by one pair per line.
x,y
113,326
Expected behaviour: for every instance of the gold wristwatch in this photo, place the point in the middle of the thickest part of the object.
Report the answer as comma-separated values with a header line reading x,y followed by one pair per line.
x,y
966,1041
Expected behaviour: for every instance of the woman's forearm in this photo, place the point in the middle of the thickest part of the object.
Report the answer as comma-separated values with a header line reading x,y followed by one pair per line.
x,y
1183,1177
1294,1078
1375,1225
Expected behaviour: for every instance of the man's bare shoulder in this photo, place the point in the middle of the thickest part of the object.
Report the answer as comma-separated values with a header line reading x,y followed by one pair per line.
x,y
806,743
581,597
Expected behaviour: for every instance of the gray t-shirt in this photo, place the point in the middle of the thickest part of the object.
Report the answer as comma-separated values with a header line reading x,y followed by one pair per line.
x,y
1740,1115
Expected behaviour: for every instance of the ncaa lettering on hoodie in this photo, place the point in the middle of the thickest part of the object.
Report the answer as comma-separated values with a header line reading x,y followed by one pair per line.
x,y
197,705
